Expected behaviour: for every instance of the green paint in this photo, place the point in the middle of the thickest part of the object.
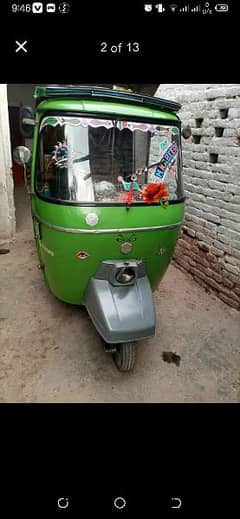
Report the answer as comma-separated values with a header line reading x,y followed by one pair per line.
x,y
67,276
104,107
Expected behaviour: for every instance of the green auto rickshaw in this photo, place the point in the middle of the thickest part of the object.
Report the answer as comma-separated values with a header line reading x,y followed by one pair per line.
x,y
107,203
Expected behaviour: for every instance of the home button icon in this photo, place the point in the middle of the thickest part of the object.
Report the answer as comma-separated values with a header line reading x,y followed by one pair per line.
x,y
120,503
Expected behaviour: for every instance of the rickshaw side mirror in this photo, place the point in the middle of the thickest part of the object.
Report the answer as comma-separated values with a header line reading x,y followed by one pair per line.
x,y
26,122
21,155
186,132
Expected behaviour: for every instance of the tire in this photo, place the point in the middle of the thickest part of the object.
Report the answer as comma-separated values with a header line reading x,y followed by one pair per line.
x,y
124,357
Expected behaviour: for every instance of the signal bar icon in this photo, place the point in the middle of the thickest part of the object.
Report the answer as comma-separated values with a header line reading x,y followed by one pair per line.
x,y
185,9
196,9
160,8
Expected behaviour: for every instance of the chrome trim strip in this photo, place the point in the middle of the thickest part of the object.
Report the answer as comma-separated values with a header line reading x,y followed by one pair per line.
x,y
104,231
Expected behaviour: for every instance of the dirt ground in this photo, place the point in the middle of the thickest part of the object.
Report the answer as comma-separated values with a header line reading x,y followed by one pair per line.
x,y
50,351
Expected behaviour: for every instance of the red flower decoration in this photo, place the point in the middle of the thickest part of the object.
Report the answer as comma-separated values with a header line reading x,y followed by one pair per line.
x,y
154,192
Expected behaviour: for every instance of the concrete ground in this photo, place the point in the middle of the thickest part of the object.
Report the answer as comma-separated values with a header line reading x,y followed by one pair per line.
x,y
50,351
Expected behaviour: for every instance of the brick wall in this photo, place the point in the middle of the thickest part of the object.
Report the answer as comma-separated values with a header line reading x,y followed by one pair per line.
x,y
209,245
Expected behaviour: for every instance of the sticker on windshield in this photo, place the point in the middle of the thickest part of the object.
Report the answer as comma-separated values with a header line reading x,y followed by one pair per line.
x,y
175,130
164,144
166,161
173,171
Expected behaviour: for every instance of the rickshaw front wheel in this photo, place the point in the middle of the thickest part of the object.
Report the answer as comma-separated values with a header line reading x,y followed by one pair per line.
x,y
124,356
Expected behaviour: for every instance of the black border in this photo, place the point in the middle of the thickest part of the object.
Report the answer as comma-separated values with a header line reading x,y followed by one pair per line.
x,y
191,446
93,452
174,48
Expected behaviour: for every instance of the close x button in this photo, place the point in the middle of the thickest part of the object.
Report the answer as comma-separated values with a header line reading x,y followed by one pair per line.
x,y
21,47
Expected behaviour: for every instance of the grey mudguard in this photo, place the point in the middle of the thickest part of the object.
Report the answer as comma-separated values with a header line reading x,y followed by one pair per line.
x,y
121,313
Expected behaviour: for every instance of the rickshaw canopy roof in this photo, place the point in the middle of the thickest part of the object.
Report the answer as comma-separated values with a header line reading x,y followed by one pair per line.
x,y
100,93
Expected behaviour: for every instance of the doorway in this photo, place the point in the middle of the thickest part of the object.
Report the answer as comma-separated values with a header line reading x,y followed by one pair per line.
x,y
21,199
16,140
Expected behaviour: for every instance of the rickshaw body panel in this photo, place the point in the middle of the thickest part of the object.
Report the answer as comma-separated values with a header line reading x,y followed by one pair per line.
x,y
61,233
101,107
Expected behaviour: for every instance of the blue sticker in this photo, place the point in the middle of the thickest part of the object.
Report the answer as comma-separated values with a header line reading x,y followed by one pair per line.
x,y
166,160
164,144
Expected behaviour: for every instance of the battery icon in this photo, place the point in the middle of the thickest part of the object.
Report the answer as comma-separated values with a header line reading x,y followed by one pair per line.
x,y
221,8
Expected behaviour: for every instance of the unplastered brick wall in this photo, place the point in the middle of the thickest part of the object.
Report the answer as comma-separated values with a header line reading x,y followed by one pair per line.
x,y
209,244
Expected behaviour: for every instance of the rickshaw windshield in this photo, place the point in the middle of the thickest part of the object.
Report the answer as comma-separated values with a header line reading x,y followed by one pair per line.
x,y
100,160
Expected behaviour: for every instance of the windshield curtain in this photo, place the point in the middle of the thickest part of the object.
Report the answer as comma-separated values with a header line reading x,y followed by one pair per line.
x,y
84,159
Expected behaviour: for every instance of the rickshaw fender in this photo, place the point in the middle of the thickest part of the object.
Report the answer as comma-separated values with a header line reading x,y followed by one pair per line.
x,y
121,313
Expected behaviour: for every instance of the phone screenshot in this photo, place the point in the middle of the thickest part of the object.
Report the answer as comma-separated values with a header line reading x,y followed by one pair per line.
x,y
119,258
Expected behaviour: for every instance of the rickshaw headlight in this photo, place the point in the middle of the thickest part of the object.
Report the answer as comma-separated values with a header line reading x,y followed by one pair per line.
x,y
125,275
